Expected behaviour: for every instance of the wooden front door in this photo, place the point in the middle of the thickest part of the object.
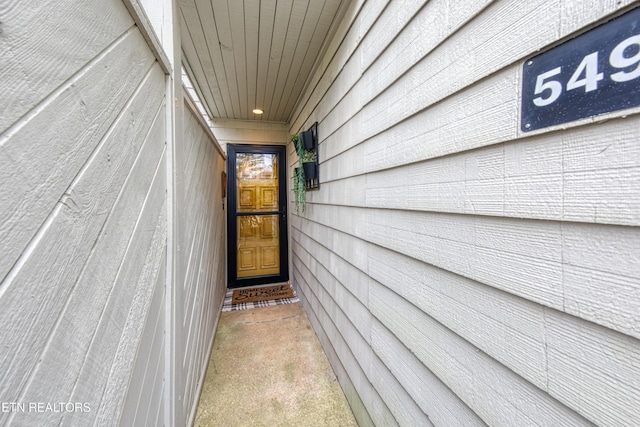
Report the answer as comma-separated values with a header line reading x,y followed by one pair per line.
x,y
257,216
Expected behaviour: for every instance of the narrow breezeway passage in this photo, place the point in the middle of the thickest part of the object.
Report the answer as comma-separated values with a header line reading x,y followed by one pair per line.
x,y
267,368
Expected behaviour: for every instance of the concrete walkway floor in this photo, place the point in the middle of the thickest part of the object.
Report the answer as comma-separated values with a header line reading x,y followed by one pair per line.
x,y
267,368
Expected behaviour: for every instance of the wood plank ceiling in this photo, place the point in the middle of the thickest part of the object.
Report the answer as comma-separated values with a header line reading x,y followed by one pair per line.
x,y
246,54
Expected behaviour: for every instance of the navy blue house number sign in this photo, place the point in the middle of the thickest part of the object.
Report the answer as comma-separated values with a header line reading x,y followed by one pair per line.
x,y
594,73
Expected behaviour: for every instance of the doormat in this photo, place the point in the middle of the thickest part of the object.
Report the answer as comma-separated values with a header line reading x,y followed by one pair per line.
x,y
229,306
261,294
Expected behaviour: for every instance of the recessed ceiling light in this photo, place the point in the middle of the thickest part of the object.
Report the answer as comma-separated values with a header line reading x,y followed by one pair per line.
x,y
258,111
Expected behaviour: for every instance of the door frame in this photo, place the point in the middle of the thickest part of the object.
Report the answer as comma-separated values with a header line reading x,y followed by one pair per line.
x,y
232,225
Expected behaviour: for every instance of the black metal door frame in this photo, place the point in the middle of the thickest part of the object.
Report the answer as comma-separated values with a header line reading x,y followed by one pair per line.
x,y
232,214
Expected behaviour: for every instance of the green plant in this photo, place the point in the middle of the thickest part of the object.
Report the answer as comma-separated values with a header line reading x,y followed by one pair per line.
x,y
307,156
299,184
299,189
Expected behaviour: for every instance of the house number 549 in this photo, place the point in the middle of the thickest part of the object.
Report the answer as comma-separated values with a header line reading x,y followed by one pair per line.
x,y
587,74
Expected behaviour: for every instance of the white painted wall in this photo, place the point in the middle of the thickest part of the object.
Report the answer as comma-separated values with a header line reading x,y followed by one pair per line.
x,y
160,15
83,211
457,270
201,257
249,132
100,201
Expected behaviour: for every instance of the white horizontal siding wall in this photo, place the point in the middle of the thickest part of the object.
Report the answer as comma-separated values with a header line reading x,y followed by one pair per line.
x,y
457,270
83,215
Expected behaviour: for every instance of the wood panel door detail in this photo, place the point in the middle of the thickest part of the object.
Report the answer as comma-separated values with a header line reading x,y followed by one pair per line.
x,y
257,215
